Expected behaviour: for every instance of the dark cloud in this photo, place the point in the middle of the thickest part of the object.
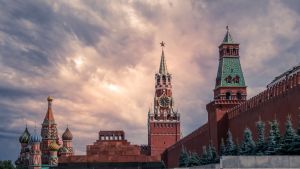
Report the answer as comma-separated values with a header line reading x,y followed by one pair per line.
x,y
98,59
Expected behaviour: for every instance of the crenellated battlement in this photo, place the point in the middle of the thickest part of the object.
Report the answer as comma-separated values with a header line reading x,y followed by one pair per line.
x,y
279,87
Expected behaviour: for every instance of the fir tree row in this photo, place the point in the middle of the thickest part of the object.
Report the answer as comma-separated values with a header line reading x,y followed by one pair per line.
x,y
275,144
288,144
190,159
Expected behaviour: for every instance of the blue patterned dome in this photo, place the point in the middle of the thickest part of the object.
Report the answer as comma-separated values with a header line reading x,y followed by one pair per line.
x,y
35,138
24,138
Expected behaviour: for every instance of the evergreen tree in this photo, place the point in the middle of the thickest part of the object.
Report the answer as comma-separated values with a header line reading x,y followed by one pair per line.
x,y
289,137
295,147
260,145
204,157
209,154
194,160
248,145
214,153
230,148
272,146
184,158
275,128
238,148
6,164
222,147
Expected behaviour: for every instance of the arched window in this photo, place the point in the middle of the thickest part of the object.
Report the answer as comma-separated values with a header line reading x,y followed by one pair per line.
x,y
239,96
227,51
164,79
169,79
158,80
228,95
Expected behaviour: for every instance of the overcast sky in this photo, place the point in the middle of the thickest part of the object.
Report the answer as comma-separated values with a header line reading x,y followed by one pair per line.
x,y
97,59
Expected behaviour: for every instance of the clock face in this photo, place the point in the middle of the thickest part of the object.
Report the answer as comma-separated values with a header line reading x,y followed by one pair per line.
x,y
164,101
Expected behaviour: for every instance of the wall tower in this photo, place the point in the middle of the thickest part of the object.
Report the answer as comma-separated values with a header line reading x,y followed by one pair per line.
x,y
163,122
230,89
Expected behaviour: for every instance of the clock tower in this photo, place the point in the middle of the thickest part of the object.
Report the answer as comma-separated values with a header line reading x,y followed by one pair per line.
x,y
163,121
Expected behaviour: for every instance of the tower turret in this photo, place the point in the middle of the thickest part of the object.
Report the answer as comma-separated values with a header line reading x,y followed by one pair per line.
x,y
48,132
230,89
230,83
163,122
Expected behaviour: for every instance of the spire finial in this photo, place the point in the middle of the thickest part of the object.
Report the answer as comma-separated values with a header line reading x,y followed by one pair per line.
x,y
162,44
228,39
163,66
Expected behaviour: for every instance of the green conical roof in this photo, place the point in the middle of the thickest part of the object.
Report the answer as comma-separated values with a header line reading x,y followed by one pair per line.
x,y
228,38
163,65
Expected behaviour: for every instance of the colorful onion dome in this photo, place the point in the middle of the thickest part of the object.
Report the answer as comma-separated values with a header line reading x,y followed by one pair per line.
x,y
67,135
24,138
53,146
63,150
35,138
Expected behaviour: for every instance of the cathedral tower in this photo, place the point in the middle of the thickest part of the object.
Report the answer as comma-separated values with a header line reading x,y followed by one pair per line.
x,y
230,89
163,122
23,160
48,132
67,148
35,161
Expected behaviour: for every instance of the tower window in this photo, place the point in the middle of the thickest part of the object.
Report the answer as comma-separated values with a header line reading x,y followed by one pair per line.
x,y
164,79
228,79
236,79
169,79
228,95
158,80
239,96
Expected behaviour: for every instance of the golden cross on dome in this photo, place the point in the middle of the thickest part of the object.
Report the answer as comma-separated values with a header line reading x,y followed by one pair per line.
x,y
162,44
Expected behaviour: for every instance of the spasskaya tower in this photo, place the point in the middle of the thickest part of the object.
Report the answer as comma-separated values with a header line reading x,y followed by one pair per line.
x,y
163,121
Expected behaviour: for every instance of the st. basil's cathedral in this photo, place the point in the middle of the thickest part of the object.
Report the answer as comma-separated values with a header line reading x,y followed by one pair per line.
x,y
229,110
42,151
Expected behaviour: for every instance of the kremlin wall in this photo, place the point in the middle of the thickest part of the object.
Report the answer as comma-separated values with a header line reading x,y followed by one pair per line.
x,y
229,110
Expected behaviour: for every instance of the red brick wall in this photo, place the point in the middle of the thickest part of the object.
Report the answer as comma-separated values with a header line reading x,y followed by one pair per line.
x,y
279,105
279,100
192,142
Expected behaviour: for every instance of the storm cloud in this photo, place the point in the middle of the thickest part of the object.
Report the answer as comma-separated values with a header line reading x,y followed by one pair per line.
x,y
97,59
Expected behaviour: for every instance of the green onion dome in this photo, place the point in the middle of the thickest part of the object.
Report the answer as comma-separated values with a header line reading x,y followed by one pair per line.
x,y
24,138
53,146
63,150
35,138
67,135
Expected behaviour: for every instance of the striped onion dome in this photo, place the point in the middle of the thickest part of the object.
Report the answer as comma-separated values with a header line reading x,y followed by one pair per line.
x,y
35,138
53,146
67,135
24,138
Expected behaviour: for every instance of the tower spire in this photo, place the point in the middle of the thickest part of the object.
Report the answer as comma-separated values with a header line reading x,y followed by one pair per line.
x,y
49,116
228,38
163,65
